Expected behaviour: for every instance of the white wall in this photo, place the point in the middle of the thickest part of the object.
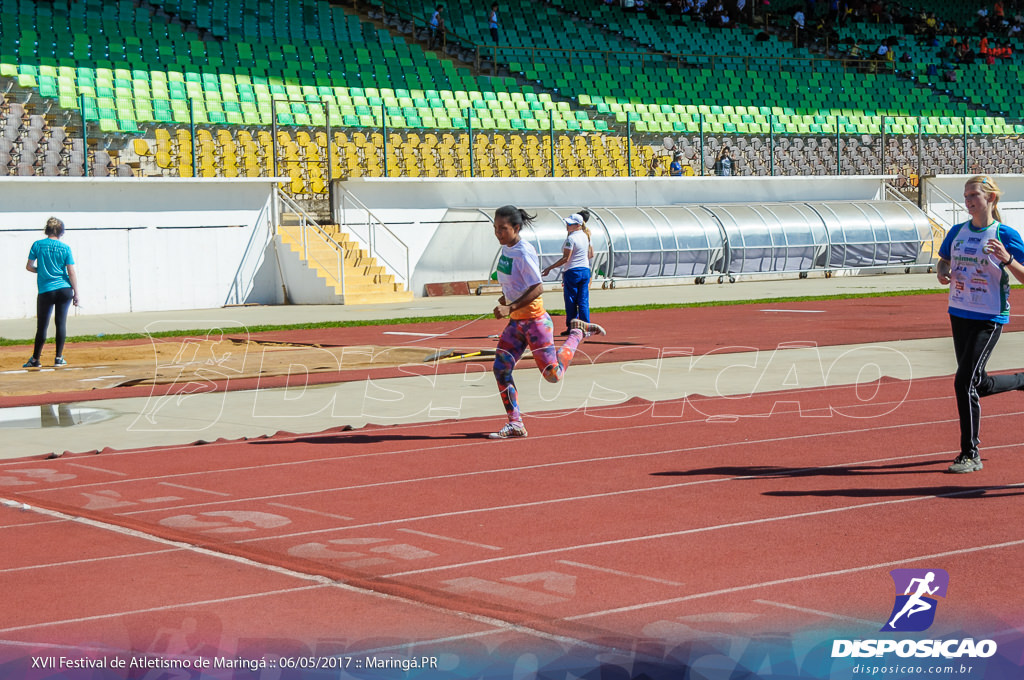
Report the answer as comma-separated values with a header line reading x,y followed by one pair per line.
x,y
143,244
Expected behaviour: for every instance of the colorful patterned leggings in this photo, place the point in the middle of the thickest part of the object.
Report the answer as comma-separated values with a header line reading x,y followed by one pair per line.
x,y
538,335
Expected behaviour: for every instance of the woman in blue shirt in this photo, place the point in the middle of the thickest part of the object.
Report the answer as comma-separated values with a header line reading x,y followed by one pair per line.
x,y
52,263
975,261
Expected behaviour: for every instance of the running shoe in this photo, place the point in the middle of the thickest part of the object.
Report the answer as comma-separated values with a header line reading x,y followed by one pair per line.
x,y
964,464
59,361
587,328
510,431
31,363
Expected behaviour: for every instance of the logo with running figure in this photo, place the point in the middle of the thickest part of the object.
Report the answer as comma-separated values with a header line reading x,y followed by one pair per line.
x,y
916,592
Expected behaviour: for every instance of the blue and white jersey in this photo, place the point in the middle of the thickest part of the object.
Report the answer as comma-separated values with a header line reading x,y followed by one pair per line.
x,y
980,286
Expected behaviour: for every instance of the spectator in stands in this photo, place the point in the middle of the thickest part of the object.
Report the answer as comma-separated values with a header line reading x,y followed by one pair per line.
x,y
725,164
52,263
436,28
798,28
676,167
492,21
882,52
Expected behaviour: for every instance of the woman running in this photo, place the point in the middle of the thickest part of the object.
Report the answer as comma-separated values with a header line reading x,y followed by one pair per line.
x,y
576,255
975,260
529,325
54,267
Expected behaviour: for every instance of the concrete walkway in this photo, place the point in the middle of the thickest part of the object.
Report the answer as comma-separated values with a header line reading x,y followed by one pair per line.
x,y
172,420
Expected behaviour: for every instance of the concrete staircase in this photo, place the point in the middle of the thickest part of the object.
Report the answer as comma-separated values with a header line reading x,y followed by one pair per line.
x,y
366,282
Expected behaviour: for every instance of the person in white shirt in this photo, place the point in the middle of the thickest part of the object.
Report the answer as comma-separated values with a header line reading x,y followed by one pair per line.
x,y
529,325
575,262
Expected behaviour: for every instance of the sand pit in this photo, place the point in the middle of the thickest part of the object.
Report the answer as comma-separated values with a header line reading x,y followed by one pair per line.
x,y
189,359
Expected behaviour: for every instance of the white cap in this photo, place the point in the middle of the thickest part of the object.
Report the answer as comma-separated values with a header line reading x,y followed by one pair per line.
x,y
575,218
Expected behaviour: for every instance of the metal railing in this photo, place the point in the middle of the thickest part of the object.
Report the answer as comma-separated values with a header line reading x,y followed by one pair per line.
x,y
311,232
380,241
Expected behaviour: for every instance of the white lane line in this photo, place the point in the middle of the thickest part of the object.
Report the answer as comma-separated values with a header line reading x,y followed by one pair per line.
x,y
196,489
319,582
794,579
98,469
795,311
562,463
421,335
311,512
616,572
696,530
90,560
453,540
587,497
817,612
167,607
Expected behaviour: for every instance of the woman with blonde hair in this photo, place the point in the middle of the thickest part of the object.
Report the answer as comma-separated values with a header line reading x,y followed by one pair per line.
x,y
52,263
976,259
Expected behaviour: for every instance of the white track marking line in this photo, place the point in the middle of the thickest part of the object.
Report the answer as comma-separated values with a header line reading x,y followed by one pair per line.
x,y
453,540
817,612
90,560
311,512
794,579
193,488
422,335
581,461
445,447
168,607
616,572
696,530
796,311
98,469
312,436
319,582
568,499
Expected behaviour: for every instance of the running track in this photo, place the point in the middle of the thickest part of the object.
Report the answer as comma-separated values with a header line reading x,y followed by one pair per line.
x,y
637,528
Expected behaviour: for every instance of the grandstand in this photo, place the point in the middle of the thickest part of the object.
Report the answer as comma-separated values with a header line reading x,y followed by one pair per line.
x,y
314,91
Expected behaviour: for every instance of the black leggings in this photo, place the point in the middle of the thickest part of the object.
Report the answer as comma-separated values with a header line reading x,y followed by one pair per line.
x,y
973,342
58,300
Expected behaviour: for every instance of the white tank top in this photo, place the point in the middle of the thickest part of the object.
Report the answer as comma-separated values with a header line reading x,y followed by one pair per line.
x,y
979,285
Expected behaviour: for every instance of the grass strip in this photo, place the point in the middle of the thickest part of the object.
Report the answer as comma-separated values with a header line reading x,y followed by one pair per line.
x,y
107,337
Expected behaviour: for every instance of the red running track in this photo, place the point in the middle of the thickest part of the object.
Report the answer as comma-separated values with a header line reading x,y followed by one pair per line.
x,y
644,524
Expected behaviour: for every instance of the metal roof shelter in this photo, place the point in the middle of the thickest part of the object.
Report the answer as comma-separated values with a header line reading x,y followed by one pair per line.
x,y
736,239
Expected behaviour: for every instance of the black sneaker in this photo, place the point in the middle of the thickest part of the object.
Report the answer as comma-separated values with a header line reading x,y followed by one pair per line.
x,y
31,363
964,464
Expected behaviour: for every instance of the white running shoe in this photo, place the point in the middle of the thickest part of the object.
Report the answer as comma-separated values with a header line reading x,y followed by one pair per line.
x,y
510,431
587,328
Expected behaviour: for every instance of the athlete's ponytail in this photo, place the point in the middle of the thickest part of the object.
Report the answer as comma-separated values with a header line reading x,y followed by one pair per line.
x,y
516,217
585,214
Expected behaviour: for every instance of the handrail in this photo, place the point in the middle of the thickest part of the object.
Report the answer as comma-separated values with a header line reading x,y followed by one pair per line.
x,y
308,226
373,224
952,201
